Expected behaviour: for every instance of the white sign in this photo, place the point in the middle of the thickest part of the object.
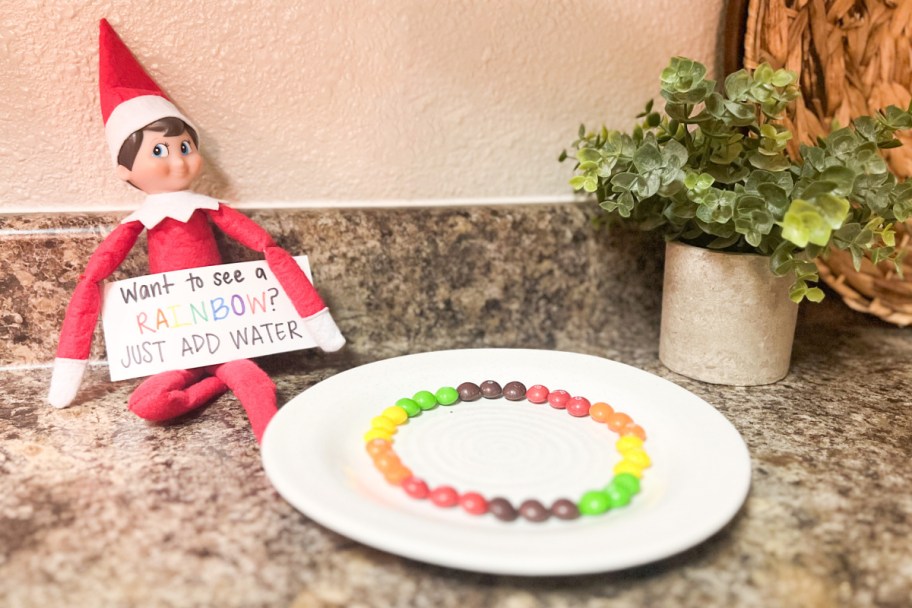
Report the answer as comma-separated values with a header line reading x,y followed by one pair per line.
x,y
199,316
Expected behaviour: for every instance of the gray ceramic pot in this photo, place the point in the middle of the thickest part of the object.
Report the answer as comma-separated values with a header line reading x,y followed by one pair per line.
x,y
725,318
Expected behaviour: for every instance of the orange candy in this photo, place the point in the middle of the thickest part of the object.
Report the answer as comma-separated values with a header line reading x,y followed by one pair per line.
x,y
600,411
618,421
635,430
387,461
378,446
397,474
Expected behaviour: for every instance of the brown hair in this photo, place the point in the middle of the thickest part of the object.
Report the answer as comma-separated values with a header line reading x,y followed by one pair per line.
x,y
170,126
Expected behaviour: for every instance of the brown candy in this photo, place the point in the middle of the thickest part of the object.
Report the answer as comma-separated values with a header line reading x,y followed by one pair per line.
x,y
514,391
564,509
502,509
469,391
534,511
491,389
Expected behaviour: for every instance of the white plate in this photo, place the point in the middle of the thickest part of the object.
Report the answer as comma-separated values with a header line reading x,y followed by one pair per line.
x,y
313,453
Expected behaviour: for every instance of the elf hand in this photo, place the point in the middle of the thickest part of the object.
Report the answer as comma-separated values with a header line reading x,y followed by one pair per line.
x,y
324,331
65,380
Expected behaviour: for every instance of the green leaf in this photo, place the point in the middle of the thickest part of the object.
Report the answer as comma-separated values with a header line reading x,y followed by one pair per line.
x,y
677,211
866,127
647,158
588,155
798,291
742,114
677,111
674,154
842,178
737,84
895,119
833,209
814,294
624,181
727,153
769,163
843,142
783,78
577,181
782,260
606,167
724,242
764,73
588,167
813,222
889,144
774,196
626,203
857,256
652,183
815,157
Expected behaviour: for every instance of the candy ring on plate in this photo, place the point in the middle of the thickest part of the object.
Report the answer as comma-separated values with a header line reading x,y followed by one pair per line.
x,y
618,493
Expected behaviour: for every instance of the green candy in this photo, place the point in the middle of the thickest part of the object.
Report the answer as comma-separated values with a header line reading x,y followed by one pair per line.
x,y
594,502
447,395
411,408
425,400
628,482
618,496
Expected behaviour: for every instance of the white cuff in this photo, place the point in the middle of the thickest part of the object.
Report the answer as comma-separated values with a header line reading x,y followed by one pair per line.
x,y
65,381
324,331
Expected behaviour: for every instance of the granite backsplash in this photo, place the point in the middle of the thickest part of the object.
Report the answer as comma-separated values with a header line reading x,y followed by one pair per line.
x,y
397,280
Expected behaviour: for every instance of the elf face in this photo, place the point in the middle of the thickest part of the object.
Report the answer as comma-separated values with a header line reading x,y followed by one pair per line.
x,y
163,163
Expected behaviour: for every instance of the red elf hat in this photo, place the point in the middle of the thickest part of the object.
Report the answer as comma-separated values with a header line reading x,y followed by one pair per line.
x,y
130,99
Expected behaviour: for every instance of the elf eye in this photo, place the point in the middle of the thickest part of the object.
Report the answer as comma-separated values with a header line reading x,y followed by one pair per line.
x,y
185,147
160,151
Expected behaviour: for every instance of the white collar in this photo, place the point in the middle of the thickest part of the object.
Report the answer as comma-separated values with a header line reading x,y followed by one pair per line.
x,y
175,205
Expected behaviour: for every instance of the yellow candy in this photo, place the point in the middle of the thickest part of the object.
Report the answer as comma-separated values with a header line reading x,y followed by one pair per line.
x,y
627,443
377,434
639,457
625,466
384,424
396,414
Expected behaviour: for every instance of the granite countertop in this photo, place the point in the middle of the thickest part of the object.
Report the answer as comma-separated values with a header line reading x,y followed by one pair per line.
x,y
99,508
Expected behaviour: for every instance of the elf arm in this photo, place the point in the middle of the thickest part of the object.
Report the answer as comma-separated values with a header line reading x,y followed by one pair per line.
x,y
82,313
297,286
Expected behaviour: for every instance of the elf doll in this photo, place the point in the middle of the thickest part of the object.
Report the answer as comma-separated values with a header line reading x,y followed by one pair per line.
x,y
155,149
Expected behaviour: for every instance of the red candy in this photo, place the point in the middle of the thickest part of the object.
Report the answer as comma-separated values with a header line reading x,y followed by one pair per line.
x,y
474,503
558,399
415,487
578,406
537,394
444,496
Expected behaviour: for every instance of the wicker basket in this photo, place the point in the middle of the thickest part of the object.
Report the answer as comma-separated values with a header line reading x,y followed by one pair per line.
x,y
853,57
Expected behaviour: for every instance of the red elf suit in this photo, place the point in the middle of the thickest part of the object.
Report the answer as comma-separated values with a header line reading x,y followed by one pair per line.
x,y
180,236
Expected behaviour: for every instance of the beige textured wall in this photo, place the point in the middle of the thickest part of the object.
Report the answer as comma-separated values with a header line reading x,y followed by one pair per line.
x,y
327,100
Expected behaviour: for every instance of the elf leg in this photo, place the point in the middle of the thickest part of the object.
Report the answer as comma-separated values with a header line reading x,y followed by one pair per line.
x,y
253,388
171,394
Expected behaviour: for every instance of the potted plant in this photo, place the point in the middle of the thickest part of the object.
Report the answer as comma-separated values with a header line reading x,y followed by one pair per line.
x,y
743,220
